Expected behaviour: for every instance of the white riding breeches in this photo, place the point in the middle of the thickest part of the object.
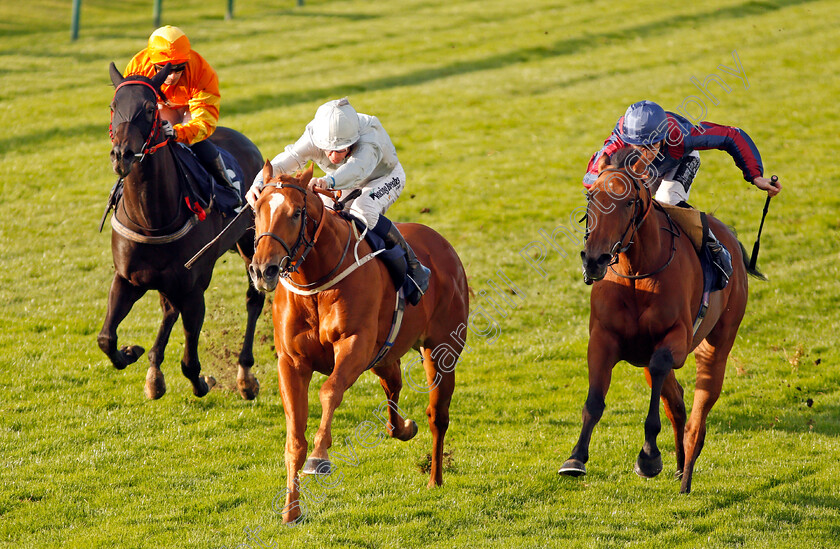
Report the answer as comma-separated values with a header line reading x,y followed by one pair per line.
x,y
673,192
377,196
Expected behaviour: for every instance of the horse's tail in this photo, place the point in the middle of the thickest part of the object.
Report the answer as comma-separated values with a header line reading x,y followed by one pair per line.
x,y
754,272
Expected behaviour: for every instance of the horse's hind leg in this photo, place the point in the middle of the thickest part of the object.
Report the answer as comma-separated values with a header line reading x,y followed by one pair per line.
x,y
155,383
249,386
396,426
674,403
192,313
442,384
121,297
711,366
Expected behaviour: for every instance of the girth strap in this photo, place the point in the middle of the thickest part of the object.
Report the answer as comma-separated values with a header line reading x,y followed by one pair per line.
x,y
396,322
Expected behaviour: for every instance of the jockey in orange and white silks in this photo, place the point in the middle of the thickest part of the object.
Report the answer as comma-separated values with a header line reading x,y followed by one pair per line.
x,y
191,109
355,152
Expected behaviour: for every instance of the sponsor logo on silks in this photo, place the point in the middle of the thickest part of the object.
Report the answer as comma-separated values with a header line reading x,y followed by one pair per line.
x,y
386,188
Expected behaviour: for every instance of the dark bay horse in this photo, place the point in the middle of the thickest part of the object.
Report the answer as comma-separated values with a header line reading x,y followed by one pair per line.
x,y
331,319
646,296
155,234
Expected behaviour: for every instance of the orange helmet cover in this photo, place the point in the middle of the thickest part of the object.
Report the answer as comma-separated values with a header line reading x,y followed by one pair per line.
x,y
169,45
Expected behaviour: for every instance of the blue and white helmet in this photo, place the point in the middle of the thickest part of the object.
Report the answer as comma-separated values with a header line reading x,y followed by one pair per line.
x,y
336,126
645,123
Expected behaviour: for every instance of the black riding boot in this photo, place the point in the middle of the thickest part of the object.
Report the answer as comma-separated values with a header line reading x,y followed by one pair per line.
x,y
219,172
721,257
418,273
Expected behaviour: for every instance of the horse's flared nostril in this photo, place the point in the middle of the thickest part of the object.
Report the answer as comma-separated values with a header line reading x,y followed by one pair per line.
x,y
271,272
254,272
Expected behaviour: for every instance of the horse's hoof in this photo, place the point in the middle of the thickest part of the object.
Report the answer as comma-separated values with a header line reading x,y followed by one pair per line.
x,y
249,386
128,355
316,466
202,385
572,468
648,467
411,426
155,383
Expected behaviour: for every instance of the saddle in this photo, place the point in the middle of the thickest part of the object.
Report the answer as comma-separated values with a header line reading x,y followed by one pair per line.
x,y
695,225
394,258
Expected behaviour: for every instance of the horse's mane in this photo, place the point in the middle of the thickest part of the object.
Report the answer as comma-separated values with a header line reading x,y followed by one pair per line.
x,y
624,157
147,80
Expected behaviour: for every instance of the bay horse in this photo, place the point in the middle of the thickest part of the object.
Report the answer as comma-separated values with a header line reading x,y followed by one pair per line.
x,y
647,292
155,234
330,318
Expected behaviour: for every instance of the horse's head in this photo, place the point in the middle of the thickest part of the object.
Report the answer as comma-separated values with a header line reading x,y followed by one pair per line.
x,y
282,242
134,117
617,203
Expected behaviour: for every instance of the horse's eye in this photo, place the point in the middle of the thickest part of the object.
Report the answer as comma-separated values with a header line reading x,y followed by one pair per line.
x,y
296,215
631,203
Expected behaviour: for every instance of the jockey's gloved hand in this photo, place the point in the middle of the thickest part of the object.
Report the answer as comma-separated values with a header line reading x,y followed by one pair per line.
x,y
168,130
319,182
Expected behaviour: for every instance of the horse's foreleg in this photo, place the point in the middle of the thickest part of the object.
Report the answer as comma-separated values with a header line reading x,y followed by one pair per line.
x,y
443,385
121,297
649,462
391,380
711,365
155,383
674,404
249,386
602,355
294,386
348,367
192,313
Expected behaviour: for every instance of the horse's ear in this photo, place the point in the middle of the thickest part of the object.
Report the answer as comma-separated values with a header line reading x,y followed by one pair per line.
x,y
268,171
603,162
160,77
306,175
116,75
639,168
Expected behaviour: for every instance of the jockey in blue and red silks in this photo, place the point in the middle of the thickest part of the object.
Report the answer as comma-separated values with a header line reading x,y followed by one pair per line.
x,y
669,144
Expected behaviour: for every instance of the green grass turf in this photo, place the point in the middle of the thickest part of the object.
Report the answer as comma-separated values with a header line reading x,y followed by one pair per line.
x,y
495,107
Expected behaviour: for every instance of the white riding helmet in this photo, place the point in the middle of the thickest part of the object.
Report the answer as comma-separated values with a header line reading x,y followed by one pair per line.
x,y
335,126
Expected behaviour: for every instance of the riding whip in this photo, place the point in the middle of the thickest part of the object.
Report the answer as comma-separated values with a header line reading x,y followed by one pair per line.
x,y
207,246
754,257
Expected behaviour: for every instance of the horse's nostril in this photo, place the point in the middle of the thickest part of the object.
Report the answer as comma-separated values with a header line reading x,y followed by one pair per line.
x,y
271,272
254,272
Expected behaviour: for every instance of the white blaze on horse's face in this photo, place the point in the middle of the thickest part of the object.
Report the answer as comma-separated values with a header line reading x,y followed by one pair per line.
x,y
274,202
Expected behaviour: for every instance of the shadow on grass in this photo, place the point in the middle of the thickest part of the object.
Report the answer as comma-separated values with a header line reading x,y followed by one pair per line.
x,y
681,23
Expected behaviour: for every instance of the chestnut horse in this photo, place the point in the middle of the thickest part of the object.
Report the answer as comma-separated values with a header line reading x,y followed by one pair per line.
x,y
155,234
332,319
647,293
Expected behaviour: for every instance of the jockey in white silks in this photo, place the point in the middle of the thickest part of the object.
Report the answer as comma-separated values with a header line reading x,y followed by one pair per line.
x,y
355,152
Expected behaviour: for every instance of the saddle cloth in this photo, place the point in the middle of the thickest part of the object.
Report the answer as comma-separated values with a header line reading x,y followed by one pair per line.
x,y
394,259
201,186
